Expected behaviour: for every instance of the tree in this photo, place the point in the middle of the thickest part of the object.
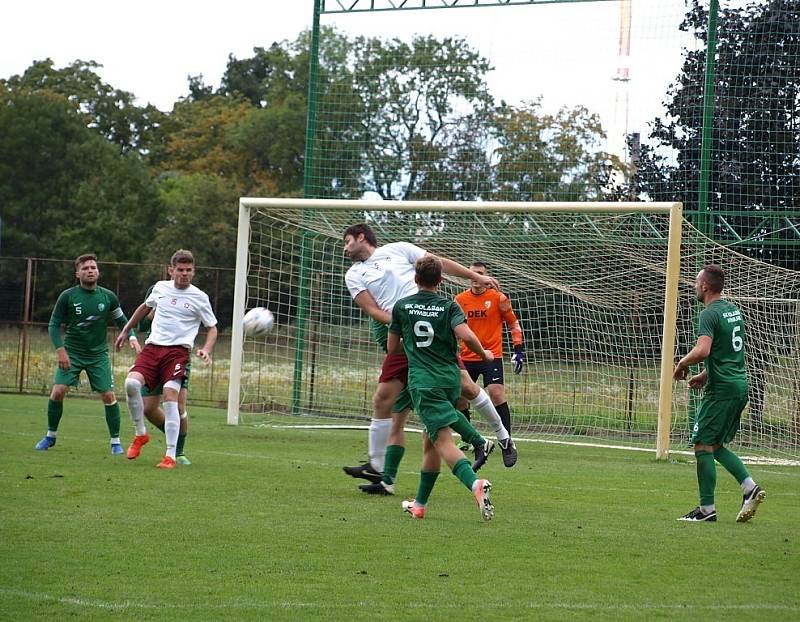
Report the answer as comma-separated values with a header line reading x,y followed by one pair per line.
x,y
65,188
756,123
110,111
545,157
414,97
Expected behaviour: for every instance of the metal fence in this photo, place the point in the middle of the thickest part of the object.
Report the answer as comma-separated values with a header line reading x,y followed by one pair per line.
x,y
30,289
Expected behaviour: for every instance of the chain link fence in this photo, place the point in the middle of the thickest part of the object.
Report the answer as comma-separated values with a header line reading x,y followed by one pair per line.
x,y
30,289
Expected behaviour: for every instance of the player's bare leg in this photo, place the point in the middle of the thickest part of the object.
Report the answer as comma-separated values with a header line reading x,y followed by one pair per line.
x,y
380,429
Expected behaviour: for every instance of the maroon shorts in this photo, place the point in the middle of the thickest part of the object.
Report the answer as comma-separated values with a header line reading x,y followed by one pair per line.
x,y
160,364
394,366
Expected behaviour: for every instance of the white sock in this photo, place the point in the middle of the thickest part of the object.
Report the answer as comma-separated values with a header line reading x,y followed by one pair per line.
x,y
747,485
115,440
379,431
707,509
51,434
172,426
133,389
483,404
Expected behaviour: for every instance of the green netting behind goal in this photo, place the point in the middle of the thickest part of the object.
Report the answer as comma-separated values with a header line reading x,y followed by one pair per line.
x,y
612,100
588,289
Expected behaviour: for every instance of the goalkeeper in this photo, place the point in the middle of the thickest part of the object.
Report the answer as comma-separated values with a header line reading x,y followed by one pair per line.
x,y
486,311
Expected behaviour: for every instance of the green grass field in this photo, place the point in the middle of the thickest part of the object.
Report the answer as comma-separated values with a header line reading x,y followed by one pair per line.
x,y
265,526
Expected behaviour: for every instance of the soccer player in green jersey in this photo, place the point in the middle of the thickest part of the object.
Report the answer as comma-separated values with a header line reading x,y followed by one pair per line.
x,y
85,310
152,398
720,346
430,327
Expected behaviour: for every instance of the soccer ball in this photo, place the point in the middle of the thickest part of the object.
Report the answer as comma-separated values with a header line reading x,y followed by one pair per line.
x,y
258,321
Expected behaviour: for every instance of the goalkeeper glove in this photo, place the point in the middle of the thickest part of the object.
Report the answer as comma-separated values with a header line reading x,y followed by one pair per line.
x,y
517,359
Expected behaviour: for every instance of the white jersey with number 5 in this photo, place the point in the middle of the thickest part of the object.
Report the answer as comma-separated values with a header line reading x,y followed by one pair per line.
x,y
179,313
388,274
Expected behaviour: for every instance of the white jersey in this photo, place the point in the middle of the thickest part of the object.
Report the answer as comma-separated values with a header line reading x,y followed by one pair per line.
x,y
179,313
388,274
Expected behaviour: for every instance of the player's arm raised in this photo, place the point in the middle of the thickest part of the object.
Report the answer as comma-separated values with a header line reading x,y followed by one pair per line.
x,y
368,305
453,268
464,332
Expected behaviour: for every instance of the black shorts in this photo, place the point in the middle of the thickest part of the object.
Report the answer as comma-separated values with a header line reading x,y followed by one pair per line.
x,y
492,372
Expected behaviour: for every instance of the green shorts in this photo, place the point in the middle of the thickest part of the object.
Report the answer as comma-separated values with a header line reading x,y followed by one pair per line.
x,y
146,392
97,368
436,407
717,420
403,401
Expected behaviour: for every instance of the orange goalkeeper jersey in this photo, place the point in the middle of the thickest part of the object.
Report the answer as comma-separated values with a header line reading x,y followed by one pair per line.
x,y
485,315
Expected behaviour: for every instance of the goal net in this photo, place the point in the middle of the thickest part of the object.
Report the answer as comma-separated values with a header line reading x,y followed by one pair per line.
x,y
589,284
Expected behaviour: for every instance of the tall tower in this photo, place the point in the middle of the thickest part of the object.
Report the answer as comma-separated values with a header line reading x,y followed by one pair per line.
x,y
622,79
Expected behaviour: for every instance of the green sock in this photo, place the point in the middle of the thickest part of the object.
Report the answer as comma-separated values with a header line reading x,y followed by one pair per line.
x,y
112,419
54,412
427,479
706,476
463,471
730,461
181,442
394,454
467,431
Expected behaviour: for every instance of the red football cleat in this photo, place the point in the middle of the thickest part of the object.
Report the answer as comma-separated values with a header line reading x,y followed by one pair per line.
x,y
136,446
167,463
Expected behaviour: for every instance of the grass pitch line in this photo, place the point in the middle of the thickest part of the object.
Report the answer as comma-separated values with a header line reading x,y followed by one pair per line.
x,y
127,605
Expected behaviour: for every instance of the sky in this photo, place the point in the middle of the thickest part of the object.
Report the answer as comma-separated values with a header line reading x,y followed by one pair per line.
x,y
565,53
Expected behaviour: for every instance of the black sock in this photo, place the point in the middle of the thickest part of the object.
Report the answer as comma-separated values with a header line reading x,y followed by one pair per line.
x,y
505,415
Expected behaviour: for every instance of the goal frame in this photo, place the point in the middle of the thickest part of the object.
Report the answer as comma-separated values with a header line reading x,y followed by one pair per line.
x,y
668,333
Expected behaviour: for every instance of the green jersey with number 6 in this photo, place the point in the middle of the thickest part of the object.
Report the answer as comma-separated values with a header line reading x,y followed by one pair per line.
x,y
727,374
426,321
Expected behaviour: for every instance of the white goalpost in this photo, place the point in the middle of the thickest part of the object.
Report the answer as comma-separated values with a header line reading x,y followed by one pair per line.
x,y
604,293
289,258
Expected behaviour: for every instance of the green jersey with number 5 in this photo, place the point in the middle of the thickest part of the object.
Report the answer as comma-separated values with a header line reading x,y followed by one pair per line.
x,y
426,322
727,374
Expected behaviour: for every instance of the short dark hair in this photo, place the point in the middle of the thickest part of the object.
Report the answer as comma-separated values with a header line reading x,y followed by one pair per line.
x,y
714,277
429,271
81,259
361,229
181,256
478,264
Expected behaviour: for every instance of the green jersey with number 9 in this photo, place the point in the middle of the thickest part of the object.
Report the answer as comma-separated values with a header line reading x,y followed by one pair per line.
x,y
727,374
426,322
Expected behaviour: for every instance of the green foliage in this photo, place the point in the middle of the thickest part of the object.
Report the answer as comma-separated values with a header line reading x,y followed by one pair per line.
x,y
544,157
754,138
67,189
199,214
110,111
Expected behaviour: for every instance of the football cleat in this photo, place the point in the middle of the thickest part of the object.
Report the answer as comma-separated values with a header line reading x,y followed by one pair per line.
x,y
697,516
181,459
167,463
381,488
481,489
364,471
482,452
135,448
46,443
750,503
416,511
509,450
116,449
